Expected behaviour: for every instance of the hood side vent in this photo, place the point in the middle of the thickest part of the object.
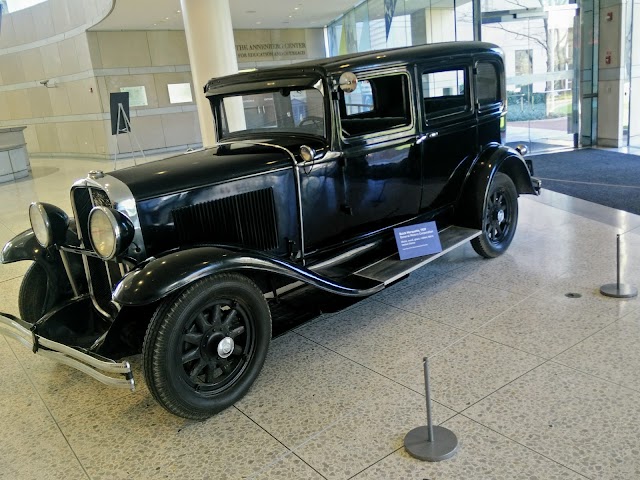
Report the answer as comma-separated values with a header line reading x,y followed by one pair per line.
x,y
248,219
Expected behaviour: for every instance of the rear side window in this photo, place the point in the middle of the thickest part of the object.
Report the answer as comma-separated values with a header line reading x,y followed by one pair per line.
x,y
377,105
487,85
445,92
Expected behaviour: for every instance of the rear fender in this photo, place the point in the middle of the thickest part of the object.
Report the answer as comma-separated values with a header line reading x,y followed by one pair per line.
x,y
495,158
162,276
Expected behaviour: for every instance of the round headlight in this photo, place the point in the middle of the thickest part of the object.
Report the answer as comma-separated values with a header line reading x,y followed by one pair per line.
x,y
40,224
110,232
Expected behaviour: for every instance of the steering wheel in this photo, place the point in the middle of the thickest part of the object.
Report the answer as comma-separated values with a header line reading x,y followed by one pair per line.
x,y
311,121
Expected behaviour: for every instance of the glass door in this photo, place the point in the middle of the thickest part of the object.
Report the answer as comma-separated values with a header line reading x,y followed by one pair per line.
x,y
542,91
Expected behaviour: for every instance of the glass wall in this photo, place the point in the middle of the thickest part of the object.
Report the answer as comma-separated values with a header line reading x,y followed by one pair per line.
x,y
539,39
633,91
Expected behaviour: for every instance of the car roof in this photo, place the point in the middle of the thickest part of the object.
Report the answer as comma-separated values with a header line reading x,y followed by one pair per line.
x,y
354,61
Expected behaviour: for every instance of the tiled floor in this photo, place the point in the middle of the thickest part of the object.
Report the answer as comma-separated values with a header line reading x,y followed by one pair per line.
x,y
533,383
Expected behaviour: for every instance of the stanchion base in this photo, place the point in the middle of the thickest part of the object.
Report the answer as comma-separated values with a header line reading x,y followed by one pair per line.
x,y
619,291
443,446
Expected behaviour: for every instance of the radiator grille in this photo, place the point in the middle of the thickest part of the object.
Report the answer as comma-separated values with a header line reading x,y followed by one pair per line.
x,y
248,219
84,200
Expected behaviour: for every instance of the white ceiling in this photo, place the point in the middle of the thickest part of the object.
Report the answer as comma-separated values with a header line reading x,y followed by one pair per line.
x,y
245,14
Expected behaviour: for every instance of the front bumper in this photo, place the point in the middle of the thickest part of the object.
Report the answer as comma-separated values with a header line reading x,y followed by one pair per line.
x,y
102,369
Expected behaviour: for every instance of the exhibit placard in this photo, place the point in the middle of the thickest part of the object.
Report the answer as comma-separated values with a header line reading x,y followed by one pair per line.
x,y
417,240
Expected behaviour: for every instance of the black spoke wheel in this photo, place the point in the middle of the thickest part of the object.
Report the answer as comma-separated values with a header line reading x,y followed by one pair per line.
x,y
206,345
36,297
499,217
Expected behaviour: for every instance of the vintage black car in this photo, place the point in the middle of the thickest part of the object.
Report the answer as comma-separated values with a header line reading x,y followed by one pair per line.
x,y
316,164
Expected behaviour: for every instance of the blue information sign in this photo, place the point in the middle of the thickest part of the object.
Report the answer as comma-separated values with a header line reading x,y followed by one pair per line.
x,y
417,240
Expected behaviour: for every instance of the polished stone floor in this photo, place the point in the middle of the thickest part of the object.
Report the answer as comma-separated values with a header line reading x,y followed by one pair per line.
x,y
535,384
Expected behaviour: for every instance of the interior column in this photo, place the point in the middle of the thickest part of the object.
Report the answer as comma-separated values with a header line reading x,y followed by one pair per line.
x,y
212,52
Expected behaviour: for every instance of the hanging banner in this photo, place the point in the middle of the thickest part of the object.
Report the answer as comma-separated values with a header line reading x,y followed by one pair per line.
x,y
389,10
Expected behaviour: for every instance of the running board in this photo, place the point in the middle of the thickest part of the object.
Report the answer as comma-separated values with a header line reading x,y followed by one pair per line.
x,y
391,268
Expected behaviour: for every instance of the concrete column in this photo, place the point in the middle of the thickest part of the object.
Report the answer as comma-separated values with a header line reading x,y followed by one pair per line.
x,y
611,72
212,52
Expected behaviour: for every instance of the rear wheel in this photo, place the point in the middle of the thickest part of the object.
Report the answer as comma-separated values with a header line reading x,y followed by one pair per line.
x,y
499,217
35,298
205,346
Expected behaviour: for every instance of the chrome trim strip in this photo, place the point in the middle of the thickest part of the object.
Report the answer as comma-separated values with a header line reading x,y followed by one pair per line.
x,y
69,356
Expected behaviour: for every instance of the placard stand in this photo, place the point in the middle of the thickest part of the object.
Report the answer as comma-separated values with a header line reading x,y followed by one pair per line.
x,y
618,290
431,443
122,115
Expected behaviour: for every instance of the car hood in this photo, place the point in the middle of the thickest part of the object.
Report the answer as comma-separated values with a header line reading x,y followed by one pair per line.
x,y
200,168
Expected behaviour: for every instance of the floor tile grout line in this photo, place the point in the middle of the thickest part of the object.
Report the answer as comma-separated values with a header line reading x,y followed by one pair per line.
x,y
525,446
376,372
44,403
375,463
290,451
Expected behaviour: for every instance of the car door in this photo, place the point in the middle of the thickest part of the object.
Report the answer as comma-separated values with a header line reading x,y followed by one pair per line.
x,y
448,130
381,166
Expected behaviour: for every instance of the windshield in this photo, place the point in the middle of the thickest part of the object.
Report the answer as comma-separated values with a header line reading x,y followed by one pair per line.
x,y
284,110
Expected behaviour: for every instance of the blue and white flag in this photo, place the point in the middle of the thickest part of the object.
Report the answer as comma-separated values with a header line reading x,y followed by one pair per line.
x,y
389,9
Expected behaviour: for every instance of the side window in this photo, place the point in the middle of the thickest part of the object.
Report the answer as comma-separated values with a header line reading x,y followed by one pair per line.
x,y
445,92
360,100
378,104
487,84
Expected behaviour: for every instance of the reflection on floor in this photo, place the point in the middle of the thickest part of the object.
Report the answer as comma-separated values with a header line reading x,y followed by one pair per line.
x,y
534,384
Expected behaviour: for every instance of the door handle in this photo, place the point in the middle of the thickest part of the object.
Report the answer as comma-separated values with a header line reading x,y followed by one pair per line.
x,y
432,134
420,139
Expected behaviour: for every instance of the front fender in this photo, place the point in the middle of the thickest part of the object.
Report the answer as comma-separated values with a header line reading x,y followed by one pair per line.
x,y
23,246
161,276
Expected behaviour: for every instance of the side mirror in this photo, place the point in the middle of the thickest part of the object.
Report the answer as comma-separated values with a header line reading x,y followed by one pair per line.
x,y
348,82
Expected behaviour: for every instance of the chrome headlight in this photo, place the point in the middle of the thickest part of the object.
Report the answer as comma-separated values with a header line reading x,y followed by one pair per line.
x,y
49,223
110,232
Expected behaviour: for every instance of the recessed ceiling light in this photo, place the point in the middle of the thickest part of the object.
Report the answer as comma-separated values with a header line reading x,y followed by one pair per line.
x,y
258,23
178,11
166,18
296,8
290,16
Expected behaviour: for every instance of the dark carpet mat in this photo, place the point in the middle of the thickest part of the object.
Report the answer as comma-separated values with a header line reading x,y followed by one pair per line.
x,y
599,176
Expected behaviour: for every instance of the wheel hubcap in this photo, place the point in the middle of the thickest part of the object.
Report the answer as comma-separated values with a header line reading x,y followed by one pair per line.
x,y
225,347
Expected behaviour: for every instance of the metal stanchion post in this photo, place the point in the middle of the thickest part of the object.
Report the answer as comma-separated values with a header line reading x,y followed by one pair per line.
x,y
618,290
430,443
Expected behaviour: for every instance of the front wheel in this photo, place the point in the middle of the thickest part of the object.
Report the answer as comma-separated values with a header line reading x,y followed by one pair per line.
x,y
36,296
205,346
499,217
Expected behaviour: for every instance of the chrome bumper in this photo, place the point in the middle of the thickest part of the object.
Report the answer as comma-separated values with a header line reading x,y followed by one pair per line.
x,y
12,327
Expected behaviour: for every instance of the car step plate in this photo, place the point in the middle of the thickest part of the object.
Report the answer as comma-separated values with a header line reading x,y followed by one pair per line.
x,y
391,268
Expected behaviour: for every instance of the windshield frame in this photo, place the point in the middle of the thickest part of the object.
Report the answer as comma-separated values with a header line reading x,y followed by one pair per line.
x,y
277,85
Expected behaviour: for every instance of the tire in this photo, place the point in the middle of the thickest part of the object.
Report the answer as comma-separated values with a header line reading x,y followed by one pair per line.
x,y
206,345
35,298
498,217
